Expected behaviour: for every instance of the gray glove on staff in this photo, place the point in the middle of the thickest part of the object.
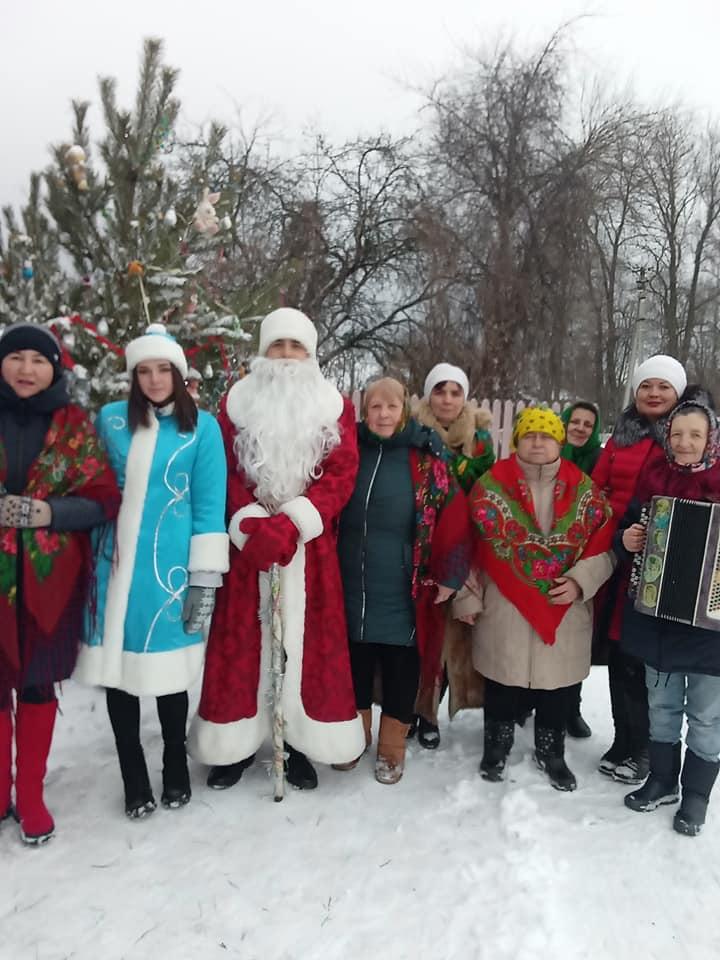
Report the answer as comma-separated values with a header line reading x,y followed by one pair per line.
x,y
23,512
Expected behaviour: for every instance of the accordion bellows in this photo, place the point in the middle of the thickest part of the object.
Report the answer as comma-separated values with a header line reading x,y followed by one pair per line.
x,y
678,575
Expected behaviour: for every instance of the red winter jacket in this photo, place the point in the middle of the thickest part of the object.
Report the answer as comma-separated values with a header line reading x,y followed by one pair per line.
x,y
616,473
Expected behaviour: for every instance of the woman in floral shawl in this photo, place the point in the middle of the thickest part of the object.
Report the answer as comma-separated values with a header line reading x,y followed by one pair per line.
x,y
543,551
56,485
404,549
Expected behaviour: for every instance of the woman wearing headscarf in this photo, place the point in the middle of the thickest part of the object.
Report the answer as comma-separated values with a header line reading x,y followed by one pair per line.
x,y
582,447
157,581
543,533
463,428
56,484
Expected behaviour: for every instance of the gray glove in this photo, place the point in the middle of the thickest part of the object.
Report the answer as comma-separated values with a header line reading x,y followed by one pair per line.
x,y
24,512
198,608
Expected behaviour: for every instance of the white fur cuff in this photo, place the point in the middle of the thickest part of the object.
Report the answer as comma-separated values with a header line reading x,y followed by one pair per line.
x,y
305,516
244,513
209,552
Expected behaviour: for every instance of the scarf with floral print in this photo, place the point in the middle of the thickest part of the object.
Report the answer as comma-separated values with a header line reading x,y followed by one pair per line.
x,y
71,462
524,562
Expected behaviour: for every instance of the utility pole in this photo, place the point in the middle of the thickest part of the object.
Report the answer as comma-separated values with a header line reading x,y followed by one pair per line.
x,y
637,337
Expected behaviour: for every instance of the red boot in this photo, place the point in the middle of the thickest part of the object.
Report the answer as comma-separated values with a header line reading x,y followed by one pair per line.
x,y
33,736
5,763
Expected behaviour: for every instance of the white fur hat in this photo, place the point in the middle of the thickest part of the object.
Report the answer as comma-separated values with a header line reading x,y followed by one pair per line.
x,y
661,367
287,323
442,372
155,344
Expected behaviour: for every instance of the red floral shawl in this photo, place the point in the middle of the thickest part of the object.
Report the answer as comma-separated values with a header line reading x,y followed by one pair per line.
x,y
72,461
522,560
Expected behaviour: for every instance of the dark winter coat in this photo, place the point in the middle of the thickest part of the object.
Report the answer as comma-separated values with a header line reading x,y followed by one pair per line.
x,y
375,543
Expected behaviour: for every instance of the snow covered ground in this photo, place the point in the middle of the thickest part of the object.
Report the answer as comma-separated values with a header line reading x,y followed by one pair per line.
x,y
442,866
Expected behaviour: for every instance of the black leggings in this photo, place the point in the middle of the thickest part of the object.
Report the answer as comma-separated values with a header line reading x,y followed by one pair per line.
x,y
508,703
44,694
124,711
399,673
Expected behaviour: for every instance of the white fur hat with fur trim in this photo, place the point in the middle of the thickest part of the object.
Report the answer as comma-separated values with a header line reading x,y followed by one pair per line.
x,y
442,372
156,344
661,367
287,323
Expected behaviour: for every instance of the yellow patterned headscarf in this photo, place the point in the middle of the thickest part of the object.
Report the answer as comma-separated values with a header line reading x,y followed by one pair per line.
x,y
538,420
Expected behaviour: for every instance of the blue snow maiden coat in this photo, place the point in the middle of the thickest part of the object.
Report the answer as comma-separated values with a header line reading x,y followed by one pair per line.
x,y
171,524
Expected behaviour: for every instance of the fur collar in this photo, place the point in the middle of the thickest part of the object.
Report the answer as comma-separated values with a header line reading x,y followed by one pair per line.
x,y
632,427
459,437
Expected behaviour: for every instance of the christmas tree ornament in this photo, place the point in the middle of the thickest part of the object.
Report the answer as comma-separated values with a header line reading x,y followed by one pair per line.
x,y
225,223
170,218
75,162
205,220
27,270
135,269
102,328
208,372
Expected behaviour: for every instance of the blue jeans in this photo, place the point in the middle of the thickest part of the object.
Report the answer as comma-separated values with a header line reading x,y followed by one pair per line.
x,y
695,694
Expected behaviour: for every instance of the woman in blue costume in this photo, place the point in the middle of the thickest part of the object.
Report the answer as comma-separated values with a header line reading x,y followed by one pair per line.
x,y
157,577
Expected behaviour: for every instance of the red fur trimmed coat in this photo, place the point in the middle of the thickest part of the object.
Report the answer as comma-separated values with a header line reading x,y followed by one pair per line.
x,y
318,702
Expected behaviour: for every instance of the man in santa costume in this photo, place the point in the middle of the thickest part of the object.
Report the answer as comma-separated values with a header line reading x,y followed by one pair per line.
x,y
290,439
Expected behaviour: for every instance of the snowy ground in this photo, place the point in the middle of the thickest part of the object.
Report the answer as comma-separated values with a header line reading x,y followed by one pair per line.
x,y
442,866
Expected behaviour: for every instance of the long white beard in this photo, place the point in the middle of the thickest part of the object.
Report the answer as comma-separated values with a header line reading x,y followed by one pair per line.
x,y
287,419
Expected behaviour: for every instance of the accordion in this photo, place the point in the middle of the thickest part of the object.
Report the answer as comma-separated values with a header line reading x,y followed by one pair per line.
x,y
677,576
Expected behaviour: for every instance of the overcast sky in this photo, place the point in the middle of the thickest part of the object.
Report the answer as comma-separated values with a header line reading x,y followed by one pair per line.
x,y
344,67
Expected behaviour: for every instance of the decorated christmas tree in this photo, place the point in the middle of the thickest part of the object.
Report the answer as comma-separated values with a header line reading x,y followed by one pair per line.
x,y
131,235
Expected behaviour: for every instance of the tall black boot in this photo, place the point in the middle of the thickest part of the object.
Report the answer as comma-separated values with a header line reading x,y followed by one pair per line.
x,y
620,748
124,713
172,712
499,737
661,786
550,757
698,779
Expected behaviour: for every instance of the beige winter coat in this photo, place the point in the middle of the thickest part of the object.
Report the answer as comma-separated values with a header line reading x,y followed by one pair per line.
x,y
505,647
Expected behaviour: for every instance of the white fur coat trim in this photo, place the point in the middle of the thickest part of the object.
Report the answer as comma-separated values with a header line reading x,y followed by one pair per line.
x,y
244,513
142,674
306,517
338,742
209,552
107,669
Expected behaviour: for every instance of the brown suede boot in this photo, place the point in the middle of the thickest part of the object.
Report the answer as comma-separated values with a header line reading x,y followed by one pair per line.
x,y
366,717
391,750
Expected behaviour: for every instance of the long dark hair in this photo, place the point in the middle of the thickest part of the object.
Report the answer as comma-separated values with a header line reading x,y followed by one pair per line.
x,y
185,411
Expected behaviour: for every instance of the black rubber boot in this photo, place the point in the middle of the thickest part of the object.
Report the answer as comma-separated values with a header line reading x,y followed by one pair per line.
x,y
698,779
223,776
428,734
300,773
499,737
661,786
550,757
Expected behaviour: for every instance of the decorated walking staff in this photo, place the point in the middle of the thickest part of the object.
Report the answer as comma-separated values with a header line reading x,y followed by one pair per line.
x,y
277,668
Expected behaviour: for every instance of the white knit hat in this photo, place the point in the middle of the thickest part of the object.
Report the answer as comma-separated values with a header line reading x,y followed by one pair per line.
x,y
442,372
155,344
287,323
661,367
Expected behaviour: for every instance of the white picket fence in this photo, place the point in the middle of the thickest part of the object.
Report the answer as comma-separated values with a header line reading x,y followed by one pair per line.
x,y
503,416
